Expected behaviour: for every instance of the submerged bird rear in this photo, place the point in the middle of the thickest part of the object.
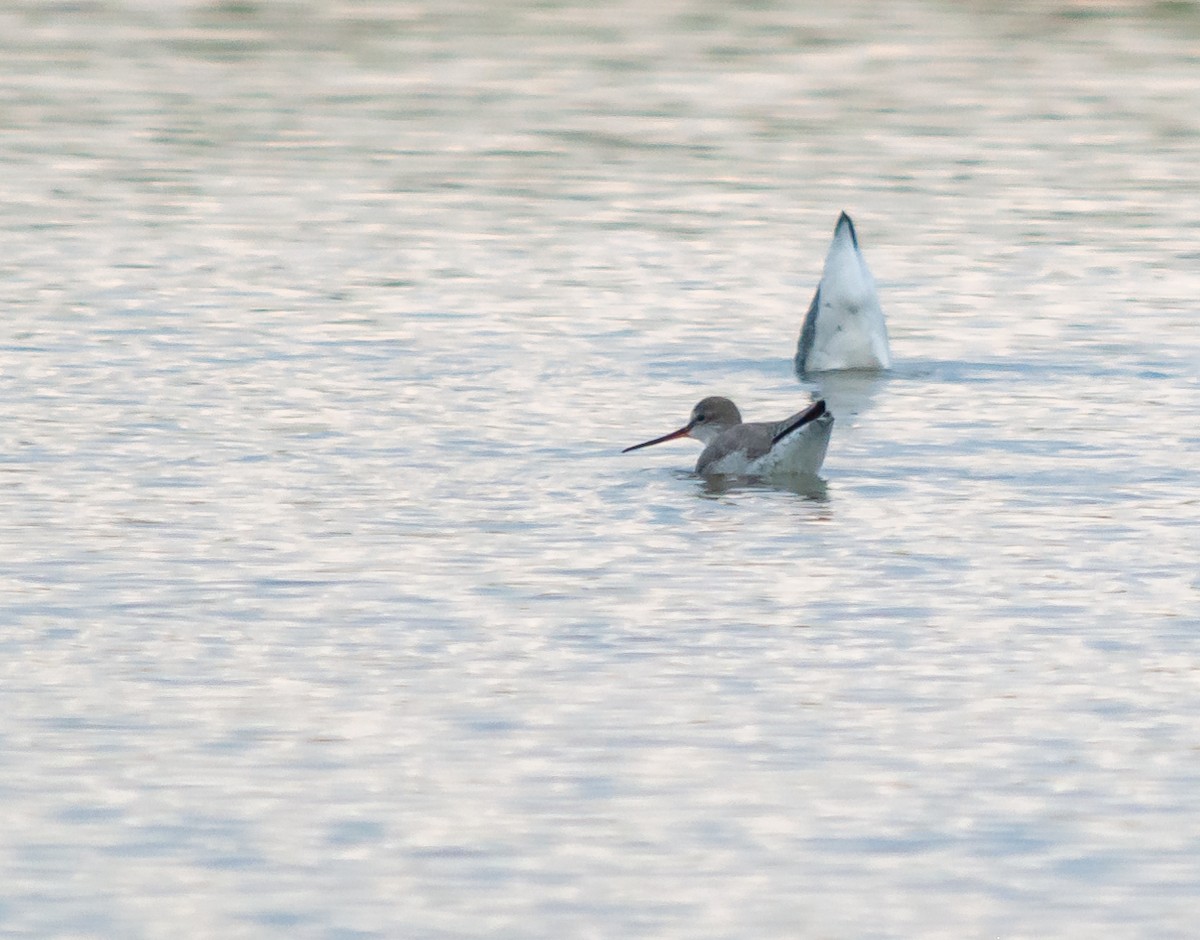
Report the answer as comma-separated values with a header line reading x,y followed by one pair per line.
x,y
844,327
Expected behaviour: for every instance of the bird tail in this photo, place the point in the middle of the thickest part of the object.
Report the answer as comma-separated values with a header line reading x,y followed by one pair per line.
x,y
807,416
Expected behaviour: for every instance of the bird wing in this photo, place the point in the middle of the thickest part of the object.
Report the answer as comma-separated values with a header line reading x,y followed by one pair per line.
x,y
785,427
808,333
731,451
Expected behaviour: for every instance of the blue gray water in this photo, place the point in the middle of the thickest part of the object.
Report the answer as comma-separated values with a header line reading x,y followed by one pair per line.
x,y
331,608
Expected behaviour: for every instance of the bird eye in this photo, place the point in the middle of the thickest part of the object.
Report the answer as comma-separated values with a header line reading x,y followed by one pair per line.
x,y
700,418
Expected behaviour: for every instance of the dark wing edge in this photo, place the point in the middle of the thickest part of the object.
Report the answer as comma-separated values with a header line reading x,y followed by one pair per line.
x,y
809,415
808,333
853,234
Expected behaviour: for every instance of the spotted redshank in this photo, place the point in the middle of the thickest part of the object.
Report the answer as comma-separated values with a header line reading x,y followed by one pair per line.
x,y
793,447
844,328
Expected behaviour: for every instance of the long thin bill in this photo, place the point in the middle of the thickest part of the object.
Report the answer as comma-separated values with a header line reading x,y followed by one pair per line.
x,y
682,432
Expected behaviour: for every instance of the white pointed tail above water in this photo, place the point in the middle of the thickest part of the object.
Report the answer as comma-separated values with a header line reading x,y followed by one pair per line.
x,y
844,328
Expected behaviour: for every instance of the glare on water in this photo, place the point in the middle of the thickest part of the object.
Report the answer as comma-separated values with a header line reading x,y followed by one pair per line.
x,y
332,607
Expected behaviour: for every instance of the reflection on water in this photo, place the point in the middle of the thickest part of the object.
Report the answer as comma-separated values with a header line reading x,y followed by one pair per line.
x,y
810,487
331,607
848,393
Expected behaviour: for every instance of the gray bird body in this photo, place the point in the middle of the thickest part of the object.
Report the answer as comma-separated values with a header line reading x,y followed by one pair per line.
x,y
793,446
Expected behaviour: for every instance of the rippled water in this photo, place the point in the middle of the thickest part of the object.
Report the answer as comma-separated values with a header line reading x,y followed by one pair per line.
x,y
332,608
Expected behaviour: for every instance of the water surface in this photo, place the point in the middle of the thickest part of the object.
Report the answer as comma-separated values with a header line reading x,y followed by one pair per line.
x,y
333,609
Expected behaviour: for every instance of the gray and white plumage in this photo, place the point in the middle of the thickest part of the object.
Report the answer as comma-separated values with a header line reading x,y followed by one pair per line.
x,y
795,446
844,327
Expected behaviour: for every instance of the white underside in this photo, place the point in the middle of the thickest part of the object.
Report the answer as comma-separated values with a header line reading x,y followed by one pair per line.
x,y
799,454
851,332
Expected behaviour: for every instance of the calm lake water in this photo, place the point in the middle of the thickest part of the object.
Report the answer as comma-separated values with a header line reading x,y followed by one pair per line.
x,y
330,606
